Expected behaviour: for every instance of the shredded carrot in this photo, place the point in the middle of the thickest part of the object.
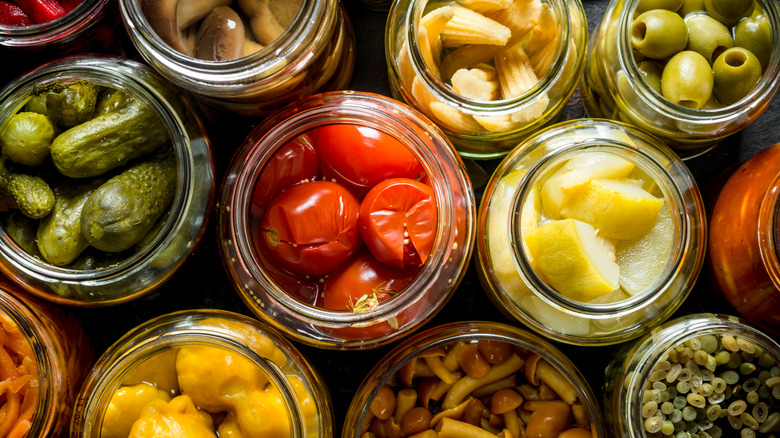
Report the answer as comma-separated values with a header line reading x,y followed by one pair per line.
x,y
18,381
11,408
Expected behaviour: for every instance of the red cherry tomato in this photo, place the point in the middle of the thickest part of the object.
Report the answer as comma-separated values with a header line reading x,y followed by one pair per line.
x,y
311,228
398,222
360,156
294,162
303,288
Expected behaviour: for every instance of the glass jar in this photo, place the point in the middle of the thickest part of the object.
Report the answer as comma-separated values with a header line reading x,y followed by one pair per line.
x,y
197,358
743,258
97,277
514,361
51,348
656,266
647,362
614,87
489,125
260,283
315,53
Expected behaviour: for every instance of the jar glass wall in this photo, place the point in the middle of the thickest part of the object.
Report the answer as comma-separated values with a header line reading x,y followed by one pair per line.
x,y
734,356
179,369
314,53
513,368
553,254
147,242
283,271
616,87
490,92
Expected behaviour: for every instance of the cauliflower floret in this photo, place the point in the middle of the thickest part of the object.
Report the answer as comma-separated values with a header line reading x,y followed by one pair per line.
x,y
178,418
125,407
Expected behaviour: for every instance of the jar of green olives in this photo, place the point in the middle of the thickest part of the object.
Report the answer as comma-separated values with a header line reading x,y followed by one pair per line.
x,y
107,178
689,72
698,375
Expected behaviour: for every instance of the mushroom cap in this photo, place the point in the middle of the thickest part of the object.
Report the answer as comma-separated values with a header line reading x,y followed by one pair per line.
x,y
188,12
220,36
161,15
505,400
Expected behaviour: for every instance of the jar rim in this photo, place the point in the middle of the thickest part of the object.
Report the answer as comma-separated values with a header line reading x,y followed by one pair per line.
x,y
74,21
768,229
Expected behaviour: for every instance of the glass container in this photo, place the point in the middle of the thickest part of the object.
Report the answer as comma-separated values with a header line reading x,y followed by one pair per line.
x,y
543,42
498,378
566,178
615,87
315,53
264,286
743,257
245,374
101,278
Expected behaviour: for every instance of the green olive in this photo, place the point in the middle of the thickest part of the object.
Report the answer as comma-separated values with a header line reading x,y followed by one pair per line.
x,y
707,36
736,72
659,34
646,5
729,12
753,34
690,6
651,72
687,80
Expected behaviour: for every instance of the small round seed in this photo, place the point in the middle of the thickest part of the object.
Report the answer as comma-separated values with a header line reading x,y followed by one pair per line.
x,y
648,409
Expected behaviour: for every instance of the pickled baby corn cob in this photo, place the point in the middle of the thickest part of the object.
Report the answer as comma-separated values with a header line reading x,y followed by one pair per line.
x,y
421,94
515,72
543,59
485,6
469,27
520,17
454,118
545,30
405,70
434,23
426,52
477,83
466,57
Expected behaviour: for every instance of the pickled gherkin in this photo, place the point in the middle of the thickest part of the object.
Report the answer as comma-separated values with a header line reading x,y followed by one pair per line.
x,y
66,104
26,138
27,193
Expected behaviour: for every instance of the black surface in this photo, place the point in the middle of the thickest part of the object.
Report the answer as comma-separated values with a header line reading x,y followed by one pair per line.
x,y
203,283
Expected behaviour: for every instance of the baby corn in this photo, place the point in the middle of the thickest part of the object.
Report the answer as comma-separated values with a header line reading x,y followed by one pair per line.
x,y
469,27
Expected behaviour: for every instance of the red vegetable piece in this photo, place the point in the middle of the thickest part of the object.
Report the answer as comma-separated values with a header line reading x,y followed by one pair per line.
x,y
12,15
70,5
41,11
311,228
398,222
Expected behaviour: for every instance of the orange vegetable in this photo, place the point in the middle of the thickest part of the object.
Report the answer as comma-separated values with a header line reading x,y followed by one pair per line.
x,y
18,375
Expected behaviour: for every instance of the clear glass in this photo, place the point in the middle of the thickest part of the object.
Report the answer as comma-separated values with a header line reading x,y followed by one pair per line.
x,y
315,53
394,369
508,275
149,267
61,353
506,121
633,364
613,87
302,393
743,258
435,282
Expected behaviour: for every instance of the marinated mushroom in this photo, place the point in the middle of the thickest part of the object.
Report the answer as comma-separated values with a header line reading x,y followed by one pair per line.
x,y
161,15
220,36
188,12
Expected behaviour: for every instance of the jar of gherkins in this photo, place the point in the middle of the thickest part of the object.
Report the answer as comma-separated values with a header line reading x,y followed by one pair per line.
x,y
107,179
698,375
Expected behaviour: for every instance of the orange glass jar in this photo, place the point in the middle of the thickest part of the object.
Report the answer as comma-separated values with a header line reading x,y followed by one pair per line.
x,y
744,233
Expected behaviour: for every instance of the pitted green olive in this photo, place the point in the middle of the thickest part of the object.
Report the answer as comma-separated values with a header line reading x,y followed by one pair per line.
x,y
729,12
736,72
753,34
690,6
708,36
646,5
659,34
651,72
687,80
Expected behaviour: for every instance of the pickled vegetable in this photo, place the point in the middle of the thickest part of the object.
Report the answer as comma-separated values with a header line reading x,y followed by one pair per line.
x,y
27,193
18,381
66,104
27,138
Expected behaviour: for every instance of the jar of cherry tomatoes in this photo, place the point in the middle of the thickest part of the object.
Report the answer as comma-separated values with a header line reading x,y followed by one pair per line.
x,y
743,258
203,373
698,97
44,358
489,75
474,379
346,220
590,233
697,374
110,176
282,51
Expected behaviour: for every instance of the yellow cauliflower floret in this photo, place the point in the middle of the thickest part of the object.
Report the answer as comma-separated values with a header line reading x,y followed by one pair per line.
x,y
261,414
256,341
159,370
178,418
125,407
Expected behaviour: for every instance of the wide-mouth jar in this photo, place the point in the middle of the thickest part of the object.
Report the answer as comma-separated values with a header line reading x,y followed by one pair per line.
x,y
567,240
509,74
386,278
477,378
314,52
743,260
621,84
46,355
203,371
700,373
157,180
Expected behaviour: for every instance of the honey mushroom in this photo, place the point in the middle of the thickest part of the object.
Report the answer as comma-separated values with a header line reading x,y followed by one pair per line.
x,y
474,390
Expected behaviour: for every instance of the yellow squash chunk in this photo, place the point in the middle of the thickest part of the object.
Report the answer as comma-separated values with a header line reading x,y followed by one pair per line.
x,y
642,259
515,72
574,259
259,413
469,27
126,406
476,83
175,419
618,209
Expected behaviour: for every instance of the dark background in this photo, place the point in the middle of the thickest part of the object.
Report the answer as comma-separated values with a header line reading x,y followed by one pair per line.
x,y
203,283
